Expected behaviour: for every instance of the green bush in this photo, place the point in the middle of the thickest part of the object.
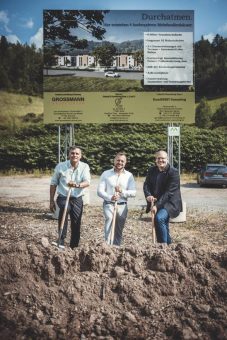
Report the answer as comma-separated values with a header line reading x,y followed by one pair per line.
x,y
37,147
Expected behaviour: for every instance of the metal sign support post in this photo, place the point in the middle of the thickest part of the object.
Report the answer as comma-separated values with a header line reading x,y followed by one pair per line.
x,y
174,140
170,145
66,138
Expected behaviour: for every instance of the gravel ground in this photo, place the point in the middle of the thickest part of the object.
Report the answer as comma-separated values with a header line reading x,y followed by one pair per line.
x,y
33,189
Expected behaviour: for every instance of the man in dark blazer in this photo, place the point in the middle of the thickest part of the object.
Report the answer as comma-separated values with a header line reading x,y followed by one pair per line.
x,y
162,192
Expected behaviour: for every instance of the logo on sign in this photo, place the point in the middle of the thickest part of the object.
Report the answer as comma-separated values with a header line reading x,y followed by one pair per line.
x,y
174,131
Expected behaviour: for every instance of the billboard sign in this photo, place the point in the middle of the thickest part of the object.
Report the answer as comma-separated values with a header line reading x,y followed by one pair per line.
x,y
118,66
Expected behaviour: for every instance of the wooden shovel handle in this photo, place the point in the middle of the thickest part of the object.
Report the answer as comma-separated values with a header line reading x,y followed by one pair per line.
x,y
153,225
64,213
112,232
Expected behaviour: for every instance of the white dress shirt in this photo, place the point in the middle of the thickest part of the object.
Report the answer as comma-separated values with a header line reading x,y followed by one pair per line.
x,y
110,179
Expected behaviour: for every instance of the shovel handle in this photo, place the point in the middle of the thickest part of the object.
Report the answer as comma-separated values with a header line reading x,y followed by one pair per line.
x,y
153,228
153,225
112,231
64,213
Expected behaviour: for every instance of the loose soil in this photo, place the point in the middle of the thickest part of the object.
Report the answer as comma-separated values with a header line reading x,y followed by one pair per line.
x,y
136,291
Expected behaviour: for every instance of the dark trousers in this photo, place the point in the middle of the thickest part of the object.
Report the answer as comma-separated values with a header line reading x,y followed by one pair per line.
x,y
75,210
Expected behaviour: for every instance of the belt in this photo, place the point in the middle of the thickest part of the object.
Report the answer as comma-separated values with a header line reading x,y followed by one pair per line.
x,y
120,203
78,197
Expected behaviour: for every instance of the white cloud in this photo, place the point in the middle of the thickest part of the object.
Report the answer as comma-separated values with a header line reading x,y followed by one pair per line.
x,y
37,39
29,23
4,19
12,38
111,38
209,37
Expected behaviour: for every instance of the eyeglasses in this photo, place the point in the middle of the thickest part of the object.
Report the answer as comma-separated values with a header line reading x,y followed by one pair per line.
x,y
161,158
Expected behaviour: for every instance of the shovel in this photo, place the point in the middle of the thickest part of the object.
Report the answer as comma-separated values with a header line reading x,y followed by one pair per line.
x,y
63,219
112,232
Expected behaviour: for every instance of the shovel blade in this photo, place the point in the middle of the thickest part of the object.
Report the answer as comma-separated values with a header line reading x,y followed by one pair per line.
x,y
56,244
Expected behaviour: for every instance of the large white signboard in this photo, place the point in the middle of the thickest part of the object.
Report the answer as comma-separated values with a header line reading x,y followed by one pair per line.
x,y
168,58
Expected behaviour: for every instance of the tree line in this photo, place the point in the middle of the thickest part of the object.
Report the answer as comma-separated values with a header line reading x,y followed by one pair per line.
x,y
21,68
211,67
205,118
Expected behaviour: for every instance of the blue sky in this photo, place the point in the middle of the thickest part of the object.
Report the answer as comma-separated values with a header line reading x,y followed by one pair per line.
x,y
21,20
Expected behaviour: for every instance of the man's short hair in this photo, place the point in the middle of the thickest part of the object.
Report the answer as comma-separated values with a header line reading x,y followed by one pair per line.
x,y
159,151
73,147
121,153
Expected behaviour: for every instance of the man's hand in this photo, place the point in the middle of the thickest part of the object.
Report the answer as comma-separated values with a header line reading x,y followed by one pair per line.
x,y
118,189
72,184
115,197
151,199
52,206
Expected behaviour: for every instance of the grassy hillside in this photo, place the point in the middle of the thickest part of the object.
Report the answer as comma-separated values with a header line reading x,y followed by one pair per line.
x,y
70,84
215,103
19,104
15,106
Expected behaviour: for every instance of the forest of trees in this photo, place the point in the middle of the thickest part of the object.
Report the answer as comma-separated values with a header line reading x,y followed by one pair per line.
x,y
211,67
21,68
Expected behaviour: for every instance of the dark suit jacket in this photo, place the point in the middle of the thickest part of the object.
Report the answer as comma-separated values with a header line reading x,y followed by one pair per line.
x,y
169,196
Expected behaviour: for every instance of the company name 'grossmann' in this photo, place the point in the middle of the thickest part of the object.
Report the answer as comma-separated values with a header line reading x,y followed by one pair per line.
x,y
68,99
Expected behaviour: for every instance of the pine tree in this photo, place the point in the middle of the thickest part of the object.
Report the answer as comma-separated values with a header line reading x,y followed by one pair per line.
x,y
203,114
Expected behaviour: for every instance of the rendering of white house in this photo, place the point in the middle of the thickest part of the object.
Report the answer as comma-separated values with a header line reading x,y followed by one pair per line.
x,y
121,61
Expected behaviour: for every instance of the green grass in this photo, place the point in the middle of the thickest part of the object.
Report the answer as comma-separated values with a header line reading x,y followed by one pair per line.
x,y
71,84
37,173
14,106
215,103
19,104
188,177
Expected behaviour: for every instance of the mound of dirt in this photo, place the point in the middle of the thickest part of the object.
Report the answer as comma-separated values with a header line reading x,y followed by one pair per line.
x,y
137,291
103,292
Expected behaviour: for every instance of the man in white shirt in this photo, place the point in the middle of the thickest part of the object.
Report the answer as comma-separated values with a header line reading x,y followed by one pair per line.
x,y
75,174
116,185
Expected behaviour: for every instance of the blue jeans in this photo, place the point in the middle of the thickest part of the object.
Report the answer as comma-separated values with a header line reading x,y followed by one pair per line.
x,y
162,226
